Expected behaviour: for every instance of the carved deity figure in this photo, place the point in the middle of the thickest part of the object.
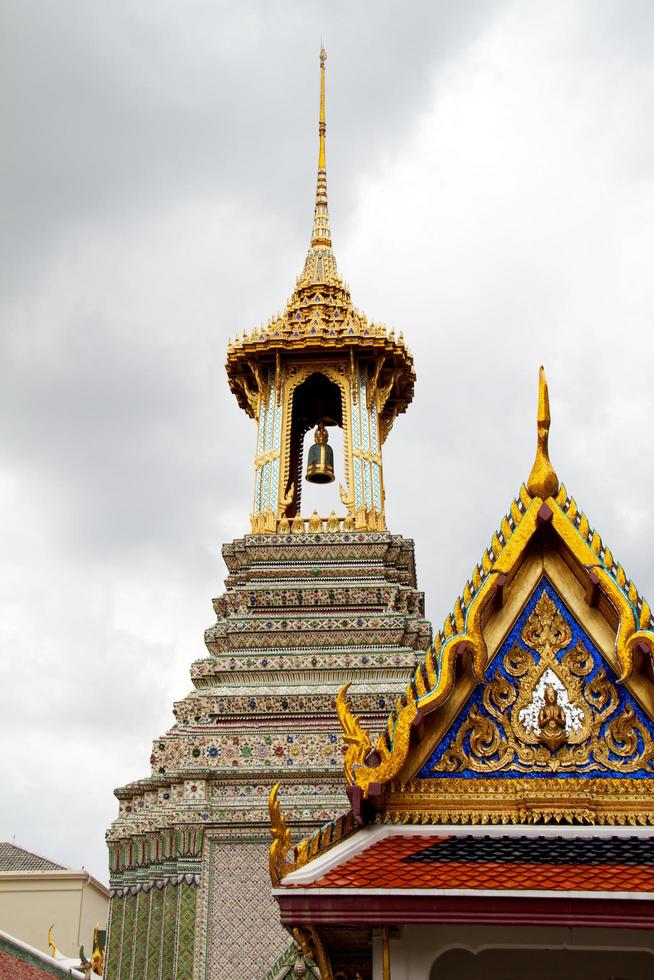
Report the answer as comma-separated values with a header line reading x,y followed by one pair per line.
x,y
551,720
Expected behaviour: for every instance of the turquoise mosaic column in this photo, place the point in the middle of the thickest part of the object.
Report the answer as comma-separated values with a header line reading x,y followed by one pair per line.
x,y
366,450
269,434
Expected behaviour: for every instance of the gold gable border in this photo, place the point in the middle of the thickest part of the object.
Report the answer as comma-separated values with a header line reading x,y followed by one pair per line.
x,y
433,680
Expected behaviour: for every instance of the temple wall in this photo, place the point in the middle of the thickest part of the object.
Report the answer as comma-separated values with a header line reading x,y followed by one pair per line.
x,y
236,902
301,615
153,933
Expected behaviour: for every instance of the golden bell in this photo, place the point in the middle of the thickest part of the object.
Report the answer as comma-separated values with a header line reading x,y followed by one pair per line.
x,y
320,464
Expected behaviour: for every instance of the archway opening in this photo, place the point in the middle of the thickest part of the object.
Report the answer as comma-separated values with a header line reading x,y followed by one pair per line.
x,y
316,400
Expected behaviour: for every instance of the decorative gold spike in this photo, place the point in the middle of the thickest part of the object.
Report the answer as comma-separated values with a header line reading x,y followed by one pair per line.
x,y
596,543
608,558
321,234
584,527
562,495
645,615
543,481
430,667
516,513
459,621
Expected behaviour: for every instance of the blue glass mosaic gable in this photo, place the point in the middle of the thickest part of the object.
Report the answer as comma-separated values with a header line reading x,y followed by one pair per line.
x,y
603,731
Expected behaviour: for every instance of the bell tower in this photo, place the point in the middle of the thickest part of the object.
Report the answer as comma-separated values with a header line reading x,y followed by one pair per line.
x,y
318,365
311,602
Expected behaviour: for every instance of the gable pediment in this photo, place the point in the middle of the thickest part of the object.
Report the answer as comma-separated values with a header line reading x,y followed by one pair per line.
x,y
547,543
551,705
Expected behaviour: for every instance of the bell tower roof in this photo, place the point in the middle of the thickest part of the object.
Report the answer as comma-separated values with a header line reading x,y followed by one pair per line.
x,y
320,320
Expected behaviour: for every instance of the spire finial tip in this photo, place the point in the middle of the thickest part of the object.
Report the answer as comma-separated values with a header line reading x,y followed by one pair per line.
x,y
543,481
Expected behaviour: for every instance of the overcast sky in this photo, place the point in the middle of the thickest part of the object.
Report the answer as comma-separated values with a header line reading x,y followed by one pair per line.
x,y
491,184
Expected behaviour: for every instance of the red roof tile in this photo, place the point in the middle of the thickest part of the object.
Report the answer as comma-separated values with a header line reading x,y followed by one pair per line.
x,y
499,863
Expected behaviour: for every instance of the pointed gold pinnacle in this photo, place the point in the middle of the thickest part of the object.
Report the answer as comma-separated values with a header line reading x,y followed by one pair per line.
x,y
543,481
321,234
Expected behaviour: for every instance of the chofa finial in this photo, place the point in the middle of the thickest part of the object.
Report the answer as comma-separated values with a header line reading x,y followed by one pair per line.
x,y
543,481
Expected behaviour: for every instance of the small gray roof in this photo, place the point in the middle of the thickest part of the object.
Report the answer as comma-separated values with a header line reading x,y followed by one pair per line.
x,y
17,859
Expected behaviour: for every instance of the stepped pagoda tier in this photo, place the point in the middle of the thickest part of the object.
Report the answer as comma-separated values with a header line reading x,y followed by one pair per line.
x,y
502,823
311,601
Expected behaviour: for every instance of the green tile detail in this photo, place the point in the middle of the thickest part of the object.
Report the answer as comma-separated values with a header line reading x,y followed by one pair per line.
x,y
167,971
127,939
186,931
155,934
141,935
115,936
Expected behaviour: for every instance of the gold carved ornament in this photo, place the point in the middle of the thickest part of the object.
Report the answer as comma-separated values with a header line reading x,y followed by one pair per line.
x,y
355,737
634,625
551,721
462,632
282,842
313,949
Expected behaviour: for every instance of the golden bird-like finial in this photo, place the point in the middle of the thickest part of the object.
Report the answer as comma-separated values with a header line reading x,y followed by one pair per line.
x,y
543,481
355,737
321,234
281,837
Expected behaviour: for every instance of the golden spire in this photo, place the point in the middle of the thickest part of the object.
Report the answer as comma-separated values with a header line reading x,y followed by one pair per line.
x,y
321,235
543,481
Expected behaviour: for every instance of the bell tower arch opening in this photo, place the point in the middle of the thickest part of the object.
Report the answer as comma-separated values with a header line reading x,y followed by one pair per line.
x,y
316,403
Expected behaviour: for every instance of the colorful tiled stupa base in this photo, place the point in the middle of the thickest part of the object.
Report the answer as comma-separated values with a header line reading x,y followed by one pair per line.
x,y
301,615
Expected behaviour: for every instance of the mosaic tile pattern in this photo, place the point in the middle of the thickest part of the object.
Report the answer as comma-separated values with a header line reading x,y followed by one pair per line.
x,y
154,935
241,893
127,938
187,895
301,615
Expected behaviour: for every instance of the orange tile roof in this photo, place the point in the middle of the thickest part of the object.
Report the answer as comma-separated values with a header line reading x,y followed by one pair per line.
x,y
608,864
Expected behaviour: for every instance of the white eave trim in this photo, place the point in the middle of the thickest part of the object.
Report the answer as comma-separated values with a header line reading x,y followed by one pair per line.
x,y
371,834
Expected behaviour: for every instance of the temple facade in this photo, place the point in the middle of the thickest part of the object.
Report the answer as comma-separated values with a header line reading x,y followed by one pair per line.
x,y
502,824
312,601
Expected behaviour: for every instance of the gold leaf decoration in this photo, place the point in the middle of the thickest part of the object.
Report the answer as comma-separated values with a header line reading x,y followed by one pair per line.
x,y
546,630
281,837
577,727
355,737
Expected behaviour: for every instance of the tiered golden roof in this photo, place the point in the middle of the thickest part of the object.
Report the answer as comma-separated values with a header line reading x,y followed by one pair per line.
x,y
320,317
